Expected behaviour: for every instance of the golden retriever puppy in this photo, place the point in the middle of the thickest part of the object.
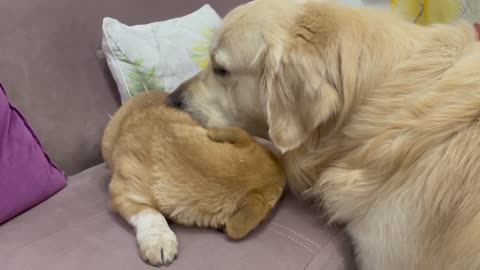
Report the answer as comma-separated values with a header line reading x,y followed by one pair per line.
x,y
378,120
164,164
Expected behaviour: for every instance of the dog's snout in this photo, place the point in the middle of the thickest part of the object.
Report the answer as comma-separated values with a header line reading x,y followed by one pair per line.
x,y
174,101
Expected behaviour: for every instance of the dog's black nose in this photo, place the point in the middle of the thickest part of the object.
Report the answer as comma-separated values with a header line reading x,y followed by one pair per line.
x,y
175,100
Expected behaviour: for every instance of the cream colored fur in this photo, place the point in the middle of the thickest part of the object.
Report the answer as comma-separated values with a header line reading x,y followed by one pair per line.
x,y
378,119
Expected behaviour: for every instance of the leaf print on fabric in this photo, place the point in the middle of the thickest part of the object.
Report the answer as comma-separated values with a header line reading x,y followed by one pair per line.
x,y
140,79
200,55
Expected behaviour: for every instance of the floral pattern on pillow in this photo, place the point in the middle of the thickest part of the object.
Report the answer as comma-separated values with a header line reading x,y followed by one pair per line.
x,y
160,55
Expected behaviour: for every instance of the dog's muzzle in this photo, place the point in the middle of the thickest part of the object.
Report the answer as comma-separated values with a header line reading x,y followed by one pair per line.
x,y
175,100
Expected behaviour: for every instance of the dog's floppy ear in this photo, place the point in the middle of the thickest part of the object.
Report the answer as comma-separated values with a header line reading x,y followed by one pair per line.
x,y
249,215
297,95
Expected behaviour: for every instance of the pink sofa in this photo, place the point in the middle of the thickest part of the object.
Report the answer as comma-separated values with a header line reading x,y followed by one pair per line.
x,y
49,66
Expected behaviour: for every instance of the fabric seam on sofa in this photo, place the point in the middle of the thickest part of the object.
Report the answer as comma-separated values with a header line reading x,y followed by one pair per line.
x,y
296,233
298,238
293,239
322,249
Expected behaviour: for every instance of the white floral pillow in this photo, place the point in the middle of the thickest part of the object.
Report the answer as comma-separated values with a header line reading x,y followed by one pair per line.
x,y
160,55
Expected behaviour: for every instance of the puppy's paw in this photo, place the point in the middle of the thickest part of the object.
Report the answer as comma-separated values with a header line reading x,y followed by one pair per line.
x,y
156,241
157,247
233,135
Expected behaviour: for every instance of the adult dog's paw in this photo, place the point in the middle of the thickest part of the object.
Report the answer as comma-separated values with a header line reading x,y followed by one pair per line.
x,y
157,246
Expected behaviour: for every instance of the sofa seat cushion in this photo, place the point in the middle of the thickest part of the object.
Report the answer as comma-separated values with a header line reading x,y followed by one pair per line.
x,y
76,230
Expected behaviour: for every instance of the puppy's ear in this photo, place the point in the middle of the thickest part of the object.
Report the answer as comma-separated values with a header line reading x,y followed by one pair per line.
x,y
298,96
250,214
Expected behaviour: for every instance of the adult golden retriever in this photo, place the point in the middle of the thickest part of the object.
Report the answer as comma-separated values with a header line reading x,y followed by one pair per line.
x,y
377,118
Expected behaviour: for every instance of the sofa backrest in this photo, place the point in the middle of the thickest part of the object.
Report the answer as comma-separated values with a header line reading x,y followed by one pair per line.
x,y
49,67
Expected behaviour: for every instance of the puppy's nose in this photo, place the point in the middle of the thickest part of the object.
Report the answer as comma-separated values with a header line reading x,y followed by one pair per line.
x,y
175,100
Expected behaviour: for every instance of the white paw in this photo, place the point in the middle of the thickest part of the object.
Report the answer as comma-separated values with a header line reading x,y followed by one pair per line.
x,y
157,247
157,243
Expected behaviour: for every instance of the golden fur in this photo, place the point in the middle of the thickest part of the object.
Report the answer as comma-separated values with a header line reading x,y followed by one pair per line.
x,y
163,161
378,120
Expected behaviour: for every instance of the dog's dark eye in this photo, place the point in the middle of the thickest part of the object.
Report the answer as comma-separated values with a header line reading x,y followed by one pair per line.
x,y
220,71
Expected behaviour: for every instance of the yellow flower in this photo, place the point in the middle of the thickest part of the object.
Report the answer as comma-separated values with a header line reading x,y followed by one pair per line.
x,y
428,11
200,48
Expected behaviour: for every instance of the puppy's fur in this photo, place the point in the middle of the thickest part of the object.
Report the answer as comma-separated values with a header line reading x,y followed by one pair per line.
x,y
164,163
378,119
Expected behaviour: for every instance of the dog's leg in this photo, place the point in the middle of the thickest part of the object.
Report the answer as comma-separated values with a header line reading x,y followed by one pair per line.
x,y
233,135
156,241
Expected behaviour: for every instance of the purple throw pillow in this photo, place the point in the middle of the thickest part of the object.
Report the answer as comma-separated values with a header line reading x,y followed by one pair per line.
x,y
27,174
